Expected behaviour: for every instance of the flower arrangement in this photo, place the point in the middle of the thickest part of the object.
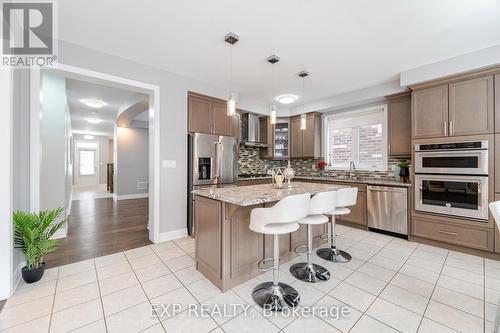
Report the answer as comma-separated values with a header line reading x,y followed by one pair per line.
x,y
321,167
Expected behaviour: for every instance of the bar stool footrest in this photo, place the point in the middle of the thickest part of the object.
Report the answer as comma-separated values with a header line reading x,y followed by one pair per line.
x,y
261,264
301,249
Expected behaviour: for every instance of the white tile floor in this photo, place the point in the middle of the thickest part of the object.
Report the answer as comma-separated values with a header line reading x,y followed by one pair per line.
x,y
390,285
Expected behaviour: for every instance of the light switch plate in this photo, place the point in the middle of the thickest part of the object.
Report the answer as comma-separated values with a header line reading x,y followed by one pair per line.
x,y
169,164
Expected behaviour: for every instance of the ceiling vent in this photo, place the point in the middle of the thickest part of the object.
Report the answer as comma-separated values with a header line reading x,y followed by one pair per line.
x,y
232,38
273,59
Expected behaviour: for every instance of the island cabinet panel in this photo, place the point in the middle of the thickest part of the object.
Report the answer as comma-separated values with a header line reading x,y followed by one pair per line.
x,y
246,246
299,237
497,163
399,125
471,106
208,215
497,232
430,112
358,211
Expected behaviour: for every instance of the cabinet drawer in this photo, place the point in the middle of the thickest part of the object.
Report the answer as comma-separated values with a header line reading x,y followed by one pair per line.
x,y
477,238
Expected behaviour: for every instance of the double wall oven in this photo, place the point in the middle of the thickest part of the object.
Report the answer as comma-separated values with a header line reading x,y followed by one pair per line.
x,y
452,179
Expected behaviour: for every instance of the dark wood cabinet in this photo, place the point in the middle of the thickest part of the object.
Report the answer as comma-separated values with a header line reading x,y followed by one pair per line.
x,y
359,210
199,114
209,115
296,138
471,106
305,143
430,112
399,125
266,136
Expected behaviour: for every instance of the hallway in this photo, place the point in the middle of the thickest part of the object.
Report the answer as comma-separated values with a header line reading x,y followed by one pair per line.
x,y
99,227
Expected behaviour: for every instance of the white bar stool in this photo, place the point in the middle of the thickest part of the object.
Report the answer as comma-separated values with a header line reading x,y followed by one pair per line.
x,y
278,220
495,211
345,197
321,203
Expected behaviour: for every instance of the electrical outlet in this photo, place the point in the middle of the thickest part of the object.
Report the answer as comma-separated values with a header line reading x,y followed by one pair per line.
x,y
314,167
169,164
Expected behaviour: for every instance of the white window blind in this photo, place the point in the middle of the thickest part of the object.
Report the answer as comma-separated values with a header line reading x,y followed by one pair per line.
x,y
359,136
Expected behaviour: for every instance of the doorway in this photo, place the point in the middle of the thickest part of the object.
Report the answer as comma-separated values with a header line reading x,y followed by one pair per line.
x,y
104,223
86,165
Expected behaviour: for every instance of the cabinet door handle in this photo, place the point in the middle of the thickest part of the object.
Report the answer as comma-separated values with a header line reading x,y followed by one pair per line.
x,y
448,233
451,127
389,149
445,128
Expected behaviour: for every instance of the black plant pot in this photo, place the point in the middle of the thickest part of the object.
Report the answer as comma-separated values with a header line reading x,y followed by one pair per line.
x,y
404,172
33,275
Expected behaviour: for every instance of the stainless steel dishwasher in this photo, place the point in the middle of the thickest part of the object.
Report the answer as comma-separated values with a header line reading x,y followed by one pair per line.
x,y
388,209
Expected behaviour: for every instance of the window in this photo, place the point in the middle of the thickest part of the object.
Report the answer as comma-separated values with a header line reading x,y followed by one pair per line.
x,y
359,136
87,162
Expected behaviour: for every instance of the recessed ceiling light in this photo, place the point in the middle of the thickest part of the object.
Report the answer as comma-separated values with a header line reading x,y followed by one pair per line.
x,y
93,103
88,137
94,120
287,98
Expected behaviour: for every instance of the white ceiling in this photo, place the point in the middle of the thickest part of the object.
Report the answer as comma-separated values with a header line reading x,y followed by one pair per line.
x,y
346,45
115,99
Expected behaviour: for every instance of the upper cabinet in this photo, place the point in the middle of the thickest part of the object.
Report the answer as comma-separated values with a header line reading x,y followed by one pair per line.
x,y
399,125
305,143
209,115
460,108
471,106
430,112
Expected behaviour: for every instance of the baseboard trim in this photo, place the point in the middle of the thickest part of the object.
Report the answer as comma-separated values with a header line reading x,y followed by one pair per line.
x,y
171,235
131,196
61,233
16,279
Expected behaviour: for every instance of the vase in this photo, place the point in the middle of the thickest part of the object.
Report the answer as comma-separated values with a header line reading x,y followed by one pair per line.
x,y
404,172
321,173
33,275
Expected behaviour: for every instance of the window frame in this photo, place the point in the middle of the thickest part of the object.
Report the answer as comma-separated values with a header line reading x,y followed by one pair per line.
x,y
364,111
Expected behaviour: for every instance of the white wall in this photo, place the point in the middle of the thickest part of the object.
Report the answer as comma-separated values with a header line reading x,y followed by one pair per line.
x,y
132,161
54,138
104,157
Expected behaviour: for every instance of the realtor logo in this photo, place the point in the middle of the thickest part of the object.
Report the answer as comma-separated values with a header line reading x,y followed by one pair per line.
x,y
28,33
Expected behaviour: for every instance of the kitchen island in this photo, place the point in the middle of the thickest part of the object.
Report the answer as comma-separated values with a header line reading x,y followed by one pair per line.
x,y
227,251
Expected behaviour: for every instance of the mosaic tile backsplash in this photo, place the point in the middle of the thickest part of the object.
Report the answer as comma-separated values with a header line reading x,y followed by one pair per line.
x,y
249,162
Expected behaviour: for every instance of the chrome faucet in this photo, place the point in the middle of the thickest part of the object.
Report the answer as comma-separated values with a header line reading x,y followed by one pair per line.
x,y
352,170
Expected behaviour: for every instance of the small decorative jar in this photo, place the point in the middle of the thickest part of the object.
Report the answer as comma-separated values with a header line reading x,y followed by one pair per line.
x,y
278,178
289,174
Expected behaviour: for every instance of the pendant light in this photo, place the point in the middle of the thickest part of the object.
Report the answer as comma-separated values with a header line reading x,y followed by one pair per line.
x,y
303,117
231,38
273,59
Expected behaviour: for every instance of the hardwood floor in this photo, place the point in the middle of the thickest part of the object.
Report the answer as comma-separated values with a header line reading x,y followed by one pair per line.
x,y
102,226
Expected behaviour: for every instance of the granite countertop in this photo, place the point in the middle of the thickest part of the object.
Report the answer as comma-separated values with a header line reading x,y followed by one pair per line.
x,y
255,178
367,181
258,194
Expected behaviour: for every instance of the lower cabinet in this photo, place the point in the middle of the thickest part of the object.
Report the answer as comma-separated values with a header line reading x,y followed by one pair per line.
x,y
358,213
463,235
497,232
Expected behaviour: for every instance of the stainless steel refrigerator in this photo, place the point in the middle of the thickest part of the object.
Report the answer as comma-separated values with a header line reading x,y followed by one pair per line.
x,y
212,162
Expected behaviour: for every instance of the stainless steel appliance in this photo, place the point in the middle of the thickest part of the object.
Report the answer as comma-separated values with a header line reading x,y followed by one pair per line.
x,y
452,179
250,131
456,195
452,158
388,209
212,162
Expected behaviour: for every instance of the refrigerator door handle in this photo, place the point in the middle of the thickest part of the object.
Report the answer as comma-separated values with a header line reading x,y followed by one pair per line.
x,y
217,160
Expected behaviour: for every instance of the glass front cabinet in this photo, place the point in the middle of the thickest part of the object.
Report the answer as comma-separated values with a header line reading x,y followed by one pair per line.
x,y
281,139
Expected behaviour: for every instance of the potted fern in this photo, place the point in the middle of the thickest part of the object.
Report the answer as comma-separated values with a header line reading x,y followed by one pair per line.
x,y
32,233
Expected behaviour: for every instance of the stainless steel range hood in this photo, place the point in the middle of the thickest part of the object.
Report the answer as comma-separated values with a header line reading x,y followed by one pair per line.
x,y
250,131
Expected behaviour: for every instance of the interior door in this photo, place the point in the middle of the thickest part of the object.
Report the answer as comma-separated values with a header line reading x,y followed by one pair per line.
x,y
87,167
